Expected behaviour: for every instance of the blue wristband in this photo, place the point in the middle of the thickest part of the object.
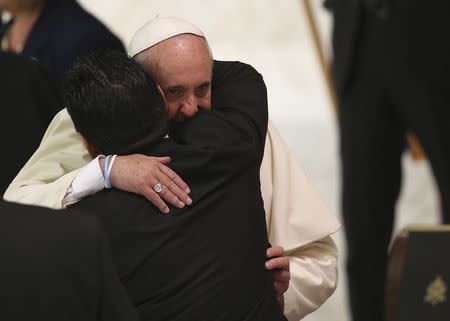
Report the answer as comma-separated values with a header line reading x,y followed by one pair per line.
x,y
105,172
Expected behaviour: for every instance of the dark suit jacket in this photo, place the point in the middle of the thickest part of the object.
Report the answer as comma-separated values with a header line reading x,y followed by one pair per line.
x,y
410,39
346,15
57,267
206,261
63,32
29,100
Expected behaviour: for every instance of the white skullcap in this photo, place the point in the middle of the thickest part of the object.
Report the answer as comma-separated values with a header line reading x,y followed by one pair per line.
x,y
159,29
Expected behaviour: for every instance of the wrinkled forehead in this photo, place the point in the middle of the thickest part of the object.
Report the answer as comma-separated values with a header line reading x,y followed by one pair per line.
x,y
184,46
185,72
179,56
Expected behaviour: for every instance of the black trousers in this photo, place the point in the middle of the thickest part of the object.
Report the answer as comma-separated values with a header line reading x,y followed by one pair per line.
x,y
400,81
56,266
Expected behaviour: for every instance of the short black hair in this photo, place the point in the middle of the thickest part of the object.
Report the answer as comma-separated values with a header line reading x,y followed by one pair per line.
x,y
114,103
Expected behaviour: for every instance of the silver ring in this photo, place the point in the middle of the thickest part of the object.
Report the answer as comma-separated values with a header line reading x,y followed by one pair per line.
x,y
158,188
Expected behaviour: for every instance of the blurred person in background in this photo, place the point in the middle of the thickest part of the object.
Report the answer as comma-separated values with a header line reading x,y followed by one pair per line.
x,y
392,74
29,100
61,171
55,32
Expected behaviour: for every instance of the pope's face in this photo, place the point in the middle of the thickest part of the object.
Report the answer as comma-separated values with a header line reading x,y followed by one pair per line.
x,y
183,72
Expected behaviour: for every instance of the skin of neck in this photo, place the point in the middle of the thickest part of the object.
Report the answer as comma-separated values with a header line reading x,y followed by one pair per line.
x,y
24,19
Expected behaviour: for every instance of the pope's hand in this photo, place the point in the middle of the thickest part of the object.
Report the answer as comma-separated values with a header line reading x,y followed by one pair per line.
x,y
139,174
279,264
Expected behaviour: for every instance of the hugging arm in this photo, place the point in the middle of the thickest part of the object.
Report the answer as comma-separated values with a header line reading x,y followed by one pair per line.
x,y
47,177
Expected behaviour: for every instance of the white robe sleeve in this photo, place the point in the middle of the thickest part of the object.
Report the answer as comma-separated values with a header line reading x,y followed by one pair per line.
x,y
313,278
46,177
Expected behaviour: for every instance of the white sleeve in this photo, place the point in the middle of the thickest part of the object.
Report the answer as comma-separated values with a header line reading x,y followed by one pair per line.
x,y
88,181
46,177
313,278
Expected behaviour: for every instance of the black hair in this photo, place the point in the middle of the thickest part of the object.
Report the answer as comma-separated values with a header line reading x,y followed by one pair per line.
x,y
114,103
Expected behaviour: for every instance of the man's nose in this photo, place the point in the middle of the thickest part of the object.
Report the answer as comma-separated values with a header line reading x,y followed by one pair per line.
x,y
189,107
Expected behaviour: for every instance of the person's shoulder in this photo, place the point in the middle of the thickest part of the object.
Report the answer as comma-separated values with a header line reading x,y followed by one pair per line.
x,y
225,71
69,12
220,66
18,70
26,75
17,63
80,26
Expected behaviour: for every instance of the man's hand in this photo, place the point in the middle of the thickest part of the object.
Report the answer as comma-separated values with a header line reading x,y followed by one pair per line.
x,y
139,173
279,264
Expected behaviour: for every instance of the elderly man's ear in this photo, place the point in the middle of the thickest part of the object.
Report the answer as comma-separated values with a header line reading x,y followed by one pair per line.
x,y
164,99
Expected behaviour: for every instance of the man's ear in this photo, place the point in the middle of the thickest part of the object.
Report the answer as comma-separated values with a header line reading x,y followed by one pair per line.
x,y
164,98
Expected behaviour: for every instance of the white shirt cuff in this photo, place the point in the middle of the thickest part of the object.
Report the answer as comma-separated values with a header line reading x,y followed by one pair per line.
x,y
88,181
